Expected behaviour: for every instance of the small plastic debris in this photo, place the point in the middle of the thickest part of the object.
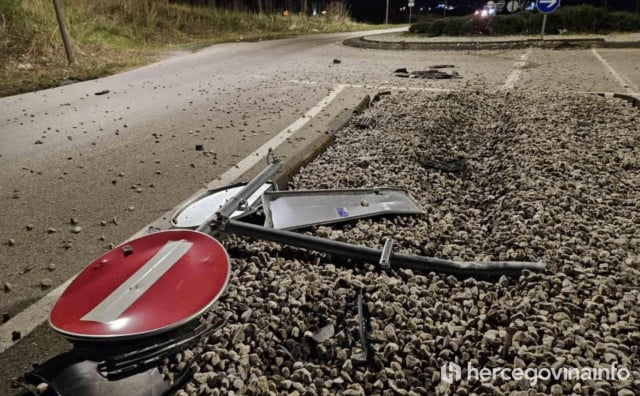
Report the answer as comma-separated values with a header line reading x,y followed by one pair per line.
x,y
127,250
15,335
365,122
199,147
103,92
337,61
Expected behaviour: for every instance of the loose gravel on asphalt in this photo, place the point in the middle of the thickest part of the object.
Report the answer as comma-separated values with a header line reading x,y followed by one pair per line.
x,y
538,176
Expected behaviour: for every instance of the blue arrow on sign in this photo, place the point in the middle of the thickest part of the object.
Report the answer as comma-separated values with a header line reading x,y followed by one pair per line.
x,y
547,6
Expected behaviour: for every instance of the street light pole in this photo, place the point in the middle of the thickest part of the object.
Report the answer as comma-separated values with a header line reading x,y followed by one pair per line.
x,y
386,14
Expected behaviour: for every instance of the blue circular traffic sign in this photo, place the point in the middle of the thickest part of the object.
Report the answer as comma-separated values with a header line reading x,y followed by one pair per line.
x,y
547,6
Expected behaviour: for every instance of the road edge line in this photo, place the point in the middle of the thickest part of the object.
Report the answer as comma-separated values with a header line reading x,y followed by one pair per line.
x,y
514,76
620,78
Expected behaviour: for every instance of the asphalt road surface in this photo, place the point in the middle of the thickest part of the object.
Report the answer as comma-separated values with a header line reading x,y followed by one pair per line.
x,y
80,171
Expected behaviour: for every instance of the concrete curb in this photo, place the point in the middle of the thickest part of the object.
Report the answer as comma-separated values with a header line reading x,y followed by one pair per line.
x,y
369,43
319,145
634,99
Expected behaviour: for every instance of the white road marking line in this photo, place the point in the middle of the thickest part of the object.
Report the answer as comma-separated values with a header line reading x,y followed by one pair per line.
x,y
36,314
624,82
514,76
137,284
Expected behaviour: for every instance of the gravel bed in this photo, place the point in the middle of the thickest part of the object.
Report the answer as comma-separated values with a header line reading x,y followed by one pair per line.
x,y
537,176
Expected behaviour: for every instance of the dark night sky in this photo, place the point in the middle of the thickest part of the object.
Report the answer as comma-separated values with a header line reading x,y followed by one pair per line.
x,y
373,10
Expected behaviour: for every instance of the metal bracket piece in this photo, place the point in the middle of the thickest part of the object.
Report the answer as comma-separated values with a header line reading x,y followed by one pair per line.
x,y
385,257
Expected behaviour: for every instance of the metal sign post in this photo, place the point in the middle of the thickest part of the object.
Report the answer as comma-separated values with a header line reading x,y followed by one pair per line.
x,y
411,5
546,7
386,14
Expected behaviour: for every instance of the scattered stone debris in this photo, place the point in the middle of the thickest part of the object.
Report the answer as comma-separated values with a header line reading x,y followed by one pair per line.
x,y
103,92
29,227
76,230
16,335
46,283
51,267
38,142
337,61
7,287
73,221
199,147
11,242
5,317
51,230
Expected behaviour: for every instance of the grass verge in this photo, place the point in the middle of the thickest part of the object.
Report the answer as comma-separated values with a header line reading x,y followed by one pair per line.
x,y
109,36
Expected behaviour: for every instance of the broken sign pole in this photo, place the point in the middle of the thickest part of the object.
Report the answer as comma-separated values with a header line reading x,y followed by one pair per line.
x,y
63,31
216,222
371,255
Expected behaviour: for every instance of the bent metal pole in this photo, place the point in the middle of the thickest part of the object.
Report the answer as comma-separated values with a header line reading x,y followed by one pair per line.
x,y
215,222
221,222
371,255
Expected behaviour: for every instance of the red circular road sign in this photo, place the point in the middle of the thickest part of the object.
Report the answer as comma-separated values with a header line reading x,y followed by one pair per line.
x,y
145,286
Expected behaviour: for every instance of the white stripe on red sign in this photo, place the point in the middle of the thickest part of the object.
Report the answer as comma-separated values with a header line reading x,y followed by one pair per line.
x,y
130,290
